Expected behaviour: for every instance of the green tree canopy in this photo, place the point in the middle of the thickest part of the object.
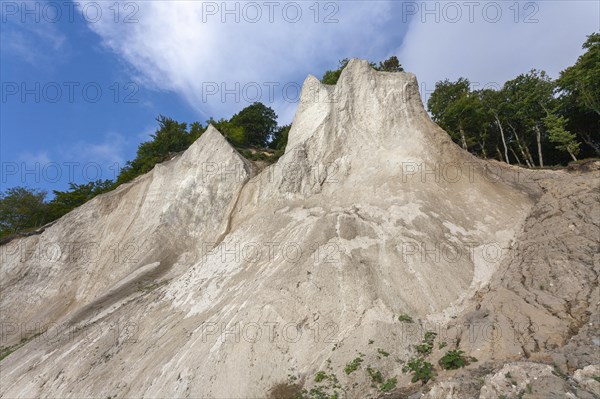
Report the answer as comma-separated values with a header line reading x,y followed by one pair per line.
x,y
558,134
170,137
579,86
493,103
453,107
582,80
530,97
392,64
77,195
332,76
280,138
21,208
258,122
446,93
235,134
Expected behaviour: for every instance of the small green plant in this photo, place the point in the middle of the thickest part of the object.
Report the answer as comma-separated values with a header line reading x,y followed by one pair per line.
x,y
375,375
371,342
320,376
424,348
442,345
422,370
508,375
6,351
429,337
318,393
388,385
455,359
596,378
323,376
382,352
405,318
353,365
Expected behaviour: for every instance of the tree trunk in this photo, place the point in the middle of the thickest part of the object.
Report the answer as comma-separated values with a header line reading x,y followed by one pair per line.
x,y
538,134
527,159
499,154
573,156
503,139
516,157
483,151
588,140
529,155
462,138
588,99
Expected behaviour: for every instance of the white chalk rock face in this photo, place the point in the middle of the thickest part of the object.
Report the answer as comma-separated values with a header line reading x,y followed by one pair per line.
x,y
144,225
240,280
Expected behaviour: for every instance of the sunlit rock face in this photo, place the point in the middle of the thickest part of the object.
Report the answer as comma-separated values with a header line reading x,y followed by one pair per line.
x,y
209,278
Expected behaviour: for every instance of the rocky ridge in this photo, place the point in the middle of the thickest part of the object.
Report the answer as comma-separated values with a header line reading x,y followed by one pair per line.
x,y
207,277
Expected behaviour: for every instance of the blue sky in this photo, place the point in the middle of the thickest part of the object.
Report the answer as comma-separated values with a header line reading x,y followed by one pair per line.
x,y
176,57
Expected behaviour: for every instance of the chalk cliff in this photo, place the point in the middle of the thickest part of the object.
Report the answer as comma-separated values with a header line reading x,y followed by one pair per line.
x,y
208,277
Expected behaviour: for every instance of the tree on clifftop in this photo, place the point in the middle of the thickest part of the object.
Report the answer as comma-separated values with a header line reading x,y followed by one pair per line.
x,y
21,208
390,65
582,80
331,77
451,106
579,86
559,135
259,123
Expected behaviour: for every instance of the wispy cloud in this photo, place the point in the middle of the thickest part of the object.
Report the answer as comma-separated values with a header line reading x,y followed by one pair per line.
x,y
33,158
109,151
37,43
77,162
501,41
183,46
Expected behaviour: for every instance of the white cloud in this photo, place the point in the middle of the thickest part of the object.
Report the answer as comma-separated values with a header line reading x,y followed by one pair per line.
x,y
77,162
107,152
492,53
38,158
183,47
93,160
37,43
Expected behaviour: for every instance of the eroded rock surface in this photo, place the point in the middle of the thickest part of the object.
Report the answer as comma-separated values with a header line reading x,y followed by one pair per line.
x,y
239,279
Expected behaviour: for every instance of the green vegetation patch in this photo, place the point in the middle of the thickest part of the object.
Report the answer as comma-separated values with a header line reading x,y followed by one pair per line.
x,y
421,370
